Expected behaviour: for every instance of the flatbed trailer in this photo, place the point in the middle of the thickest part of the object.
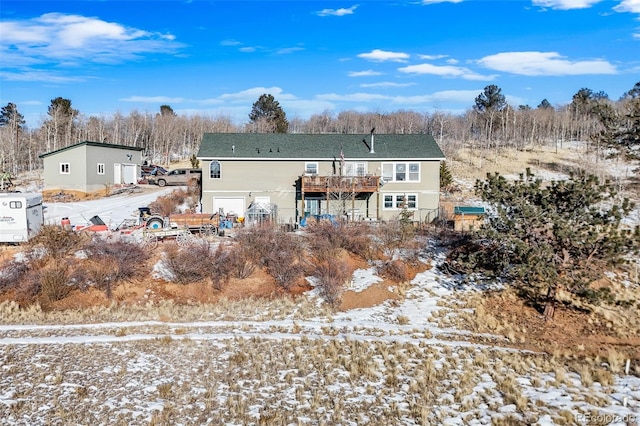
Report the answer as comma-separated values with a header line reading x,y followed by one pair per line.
x,y
202,223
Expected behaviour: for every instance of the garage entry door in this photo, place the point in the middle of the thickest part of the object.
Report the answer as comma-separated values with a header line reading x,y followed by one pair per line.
x,y
229,205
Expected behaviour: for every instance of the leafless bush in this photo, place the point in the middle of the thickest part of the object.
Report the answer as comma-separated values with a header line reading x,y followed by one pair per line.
x,y
358,241
285,273
332,276
391,237
128,260
103,273
257,242
283,259
164,206
323,249
241,261
58,242
329,234
219,267
279,252
54,281
394,270
11,273
327,238
181,262
170,203
28,288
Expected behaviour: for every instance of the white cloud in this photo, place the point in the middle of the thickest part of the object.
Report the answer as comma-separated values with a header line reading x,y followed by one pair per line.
x,y
432,100
632,6
455,96
387,84
230,43
287,50
431,57
247,49
565,4
41,76
381,55
338,12
254,93
367,73
53,38
544,64
445,71
17,32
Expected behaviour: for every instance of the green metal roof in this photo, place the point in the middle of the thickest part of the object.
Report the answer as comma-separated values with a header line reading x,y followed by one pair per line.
x,y
462,210
290,146
89,143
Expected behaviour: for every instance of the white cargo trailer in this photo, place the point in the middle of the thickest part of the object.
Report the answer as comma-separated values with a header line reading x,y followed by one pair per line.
x,y
21,216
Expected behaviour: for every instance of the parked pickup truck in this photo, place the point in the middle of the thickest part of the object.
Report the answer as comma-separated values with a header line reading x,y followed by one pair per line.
x,y
178,177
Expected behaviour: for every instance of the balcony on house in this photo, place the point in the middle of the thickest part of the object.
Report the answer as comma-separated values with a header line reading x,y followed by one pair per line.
x,y
333,184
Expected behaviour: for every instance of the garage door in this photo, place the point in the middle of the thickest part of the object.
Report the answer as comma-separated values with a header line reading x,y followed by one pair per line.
x,y
229,205
129,173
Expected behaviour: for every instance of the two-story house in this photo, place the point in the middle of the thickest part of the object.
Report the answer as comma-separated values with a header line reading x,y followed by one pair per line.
x,y
361,177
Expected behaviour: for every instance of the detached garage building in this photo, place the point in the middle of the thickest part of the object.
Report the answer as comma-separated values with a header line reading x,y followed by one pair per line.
x,y
91,166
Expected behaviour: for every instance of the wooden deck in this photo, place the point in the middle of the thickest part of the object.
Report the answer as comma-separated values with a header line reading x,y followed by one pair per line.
x,y
326,184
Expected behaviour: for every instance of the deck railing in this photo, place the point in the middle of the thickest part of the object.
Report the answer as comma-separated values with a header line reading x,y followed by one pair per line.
x,y
316,183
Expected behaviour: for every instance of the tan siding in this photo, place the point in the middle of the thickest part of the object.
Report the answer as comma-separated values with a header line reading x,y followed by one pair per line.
x,y
277,180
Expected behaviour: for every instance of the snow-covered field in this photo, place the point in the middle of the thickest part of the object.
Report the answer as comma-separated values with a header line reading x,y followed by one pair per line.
x,y
391,364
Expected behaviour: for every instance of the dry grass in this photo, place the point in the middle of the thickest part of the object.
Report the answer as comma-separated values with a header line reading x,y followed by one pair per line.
x,y
304,379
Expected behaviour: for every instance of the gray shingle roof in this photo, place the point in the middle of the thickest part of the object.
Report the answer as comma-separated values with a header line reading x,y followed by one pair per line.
x,y
290,146
89,143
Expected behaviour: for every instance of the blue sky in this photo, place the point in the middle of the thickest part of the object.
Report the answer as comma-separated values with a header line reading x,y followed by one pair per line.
x,y
217,57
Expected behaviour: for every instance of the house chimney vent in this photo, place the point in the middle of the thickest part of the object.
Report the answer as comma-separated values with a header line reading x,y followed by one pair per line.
x,y
371,150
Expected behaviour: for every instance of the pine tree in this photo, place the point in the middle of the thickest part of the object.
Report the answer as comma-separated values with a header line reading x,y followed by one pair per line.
x,y
557,236
267,111
446,179
61,121
488,104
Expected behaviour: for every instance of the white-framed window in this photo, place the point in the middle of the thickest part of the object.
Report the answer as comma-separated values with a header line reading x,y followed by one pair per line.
x,y
100,168
398,201
65,168
311,168
401,172
354,169
215,171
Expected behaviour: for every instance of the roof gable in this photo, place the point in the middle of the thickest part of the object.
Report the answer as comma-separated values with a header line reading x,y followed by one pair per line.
x,y
89,143
291,146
